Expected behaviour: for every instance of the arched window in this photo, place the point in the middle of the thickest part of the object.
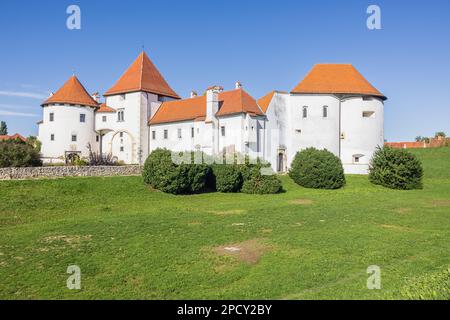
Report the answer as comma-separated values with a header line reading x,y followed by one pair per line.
x,y
305,112
325,111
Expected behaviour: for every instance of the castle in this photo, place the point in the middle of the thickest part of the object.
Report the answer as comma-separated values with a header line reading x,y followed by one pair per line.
x,y
334,107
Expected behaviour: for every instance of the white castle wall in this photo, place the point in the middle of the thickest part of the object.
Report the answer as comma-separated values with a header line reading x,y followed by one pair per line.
x,y
128,139
361,135
66,123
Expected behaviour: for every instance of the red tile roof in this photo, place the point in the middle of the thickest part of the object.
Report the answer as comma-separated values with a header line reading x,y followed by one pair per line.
x,y
142,75
13,137
265,101
336,79
104,108
72,92
194,109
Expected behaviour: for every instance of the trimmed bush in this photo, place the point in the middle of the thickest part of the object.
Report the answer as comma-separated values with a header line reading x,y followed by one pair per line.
x,y
16,153
161,173
257,183
395,169
228,178
318,169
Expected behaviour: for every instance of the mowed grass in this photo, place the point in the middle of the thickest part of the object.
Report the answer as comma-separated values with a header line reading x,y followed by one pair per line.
x,y
135,243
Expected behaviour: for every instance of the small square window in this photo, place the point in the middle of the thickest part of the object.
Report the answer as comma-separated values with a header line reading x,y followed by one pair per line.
x,y
222,129
166,134
74,138
82,117
52,117
52,137
121,149
153,135
368,114
104,118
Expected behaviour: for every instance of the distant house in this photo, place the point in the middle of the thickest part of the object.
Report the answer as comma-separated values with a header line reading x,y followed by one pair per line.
x,y
13,137
433,143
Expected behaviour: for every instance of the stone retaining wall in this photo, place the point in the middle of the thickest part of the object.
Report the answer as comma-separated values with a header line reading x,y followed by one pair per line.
x,y
68,171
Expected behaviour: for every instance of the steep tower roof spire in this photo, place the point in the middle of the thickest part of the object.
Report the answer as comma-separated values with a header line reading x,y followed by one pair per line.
x,y
142,75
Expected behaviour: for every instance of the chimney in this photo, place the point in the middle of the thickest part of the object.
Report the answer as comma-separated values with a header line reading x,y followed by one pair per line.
x,y
96,96
193,94
238,85
212,102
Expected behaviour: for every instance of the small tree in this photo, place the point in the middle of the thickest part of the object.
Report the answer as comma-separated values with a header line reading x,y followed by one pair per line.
x,y
3,128
396,169
35,143
440,134
16,153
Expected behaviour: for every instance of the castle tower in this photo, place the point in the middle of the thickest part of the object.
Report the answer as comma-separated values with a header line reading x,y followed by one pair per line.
x,y
135,96
68,123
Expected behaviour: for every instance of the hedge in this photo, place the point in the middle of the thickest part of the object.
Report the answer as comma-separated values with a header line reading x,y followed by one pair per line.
x,y
318,169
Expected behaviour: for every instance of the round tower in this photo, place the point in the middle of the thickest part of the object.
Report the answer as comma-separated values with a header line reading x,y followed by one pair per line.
x,y
68,123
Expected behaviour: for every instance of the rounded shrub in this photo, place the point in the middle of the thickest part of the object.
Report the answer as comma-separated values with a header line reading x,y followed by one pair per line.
x,y
163,174
318,169
395,169
16,153
228,177
257,183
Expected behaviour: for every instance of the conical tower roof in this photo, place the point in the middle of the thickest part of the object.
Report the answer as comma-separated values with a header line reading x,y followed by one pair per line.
x,y
72,92
142,75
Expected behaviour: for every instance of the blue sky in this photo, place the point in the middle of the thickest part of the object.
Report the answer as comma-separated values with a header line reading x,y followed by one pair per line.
x,y
264,44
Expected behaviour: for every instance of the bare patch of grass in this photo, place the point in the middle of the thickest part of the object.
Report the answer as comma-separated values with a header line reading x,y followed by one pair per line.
x,y
396,228
227,212
249,251
302,202
402,210
441,203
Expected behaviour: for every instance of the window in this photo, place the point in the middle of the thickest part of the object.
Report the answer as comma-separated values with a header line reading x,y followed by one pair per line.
x,y
104,118
74,138
222,130
121,134
120,116
305,112
325,111
166,134
192,132
82,117
357,157
179,133
368,114
52,117
52,137
123,96
121,149
97,138
153,135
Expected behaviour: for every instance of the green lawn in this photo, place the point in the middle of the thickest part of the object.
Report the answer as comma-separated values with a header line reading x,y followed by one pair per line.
x,y
131,242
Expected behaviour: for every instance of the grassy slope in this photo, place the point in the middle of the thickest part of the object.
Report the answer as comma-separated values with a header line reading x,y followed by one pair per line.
x,y
131,242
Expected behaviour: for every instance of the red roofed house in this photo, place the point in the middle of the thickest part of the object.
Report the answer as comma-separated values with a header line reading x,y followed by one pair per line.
x,y
13,137
333,107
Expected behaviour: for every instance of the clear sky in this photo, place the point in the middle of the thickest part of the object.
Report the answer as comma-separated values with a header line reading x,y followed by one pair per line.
x,y
264,44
